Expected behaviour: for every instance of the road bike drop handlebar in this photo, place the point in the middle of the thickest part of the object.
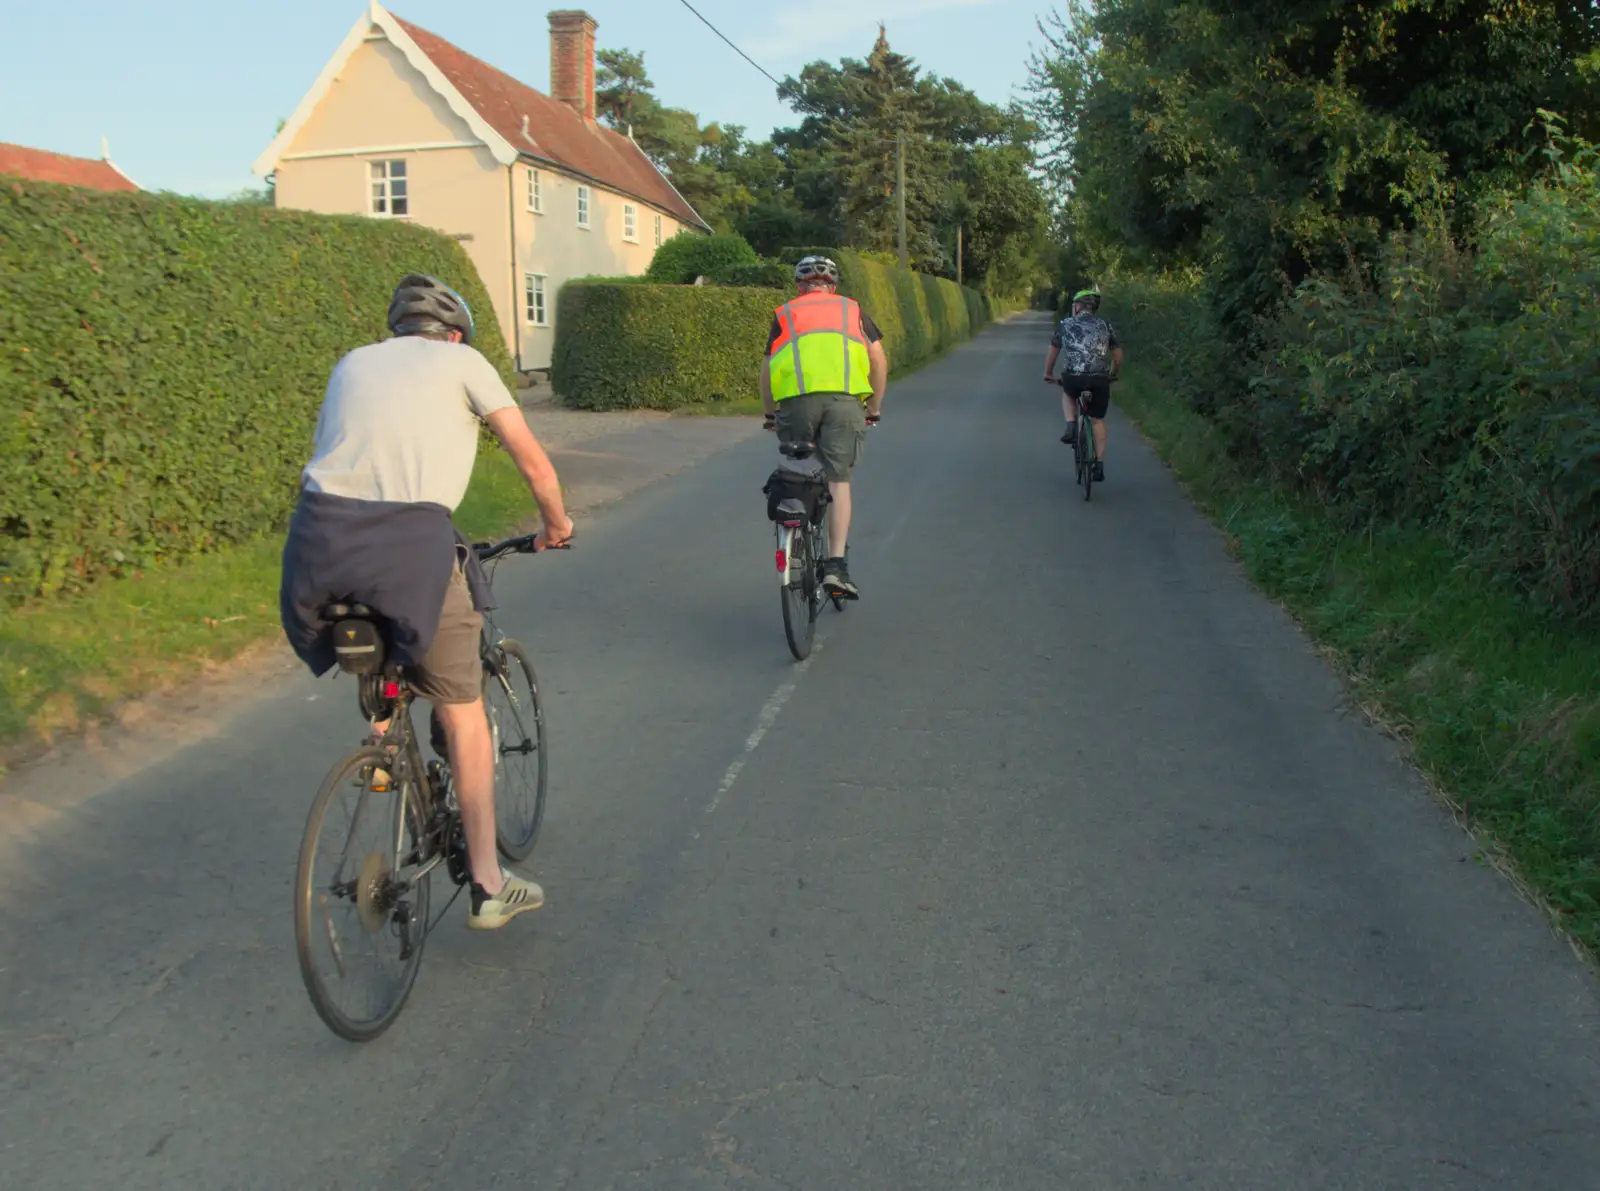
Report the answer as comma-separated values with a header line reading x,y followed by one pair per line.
x,y
526,544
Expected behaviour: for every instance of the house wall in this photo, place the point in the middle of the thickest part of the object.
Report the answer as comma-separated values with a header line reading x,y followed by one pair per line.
x,y
553,245
381,105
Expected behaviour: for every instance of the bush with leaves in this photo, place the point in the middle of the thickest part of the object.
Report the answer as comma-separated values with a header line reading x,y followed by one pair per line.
x,y
1451,386
162,361
762,274
689,255
658,346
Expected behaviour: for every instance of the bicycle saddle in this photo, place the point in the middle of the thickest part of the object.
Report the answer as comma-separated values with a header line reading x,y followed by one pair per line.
x,y
797,450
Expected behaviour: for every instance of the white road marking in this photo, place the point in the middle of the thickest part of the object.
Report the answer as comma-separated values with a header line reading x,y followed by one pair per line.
x,y
764,721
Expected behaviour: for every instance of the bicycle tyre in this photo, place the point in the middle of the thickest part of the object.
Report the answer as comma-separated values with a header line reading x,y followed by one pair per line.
x,y
1086,458
343,1024
799,598
516,829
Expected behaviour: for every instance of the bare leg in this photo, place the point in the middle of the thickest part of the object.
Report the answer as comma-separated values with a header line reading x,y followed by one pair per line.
x,y
1069,408
1099,438
839,516
472,768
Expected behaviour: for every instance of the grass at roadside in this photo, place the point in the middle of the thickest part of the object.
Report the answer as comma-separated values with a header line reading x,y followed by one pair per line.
x,y
66,664
1498,702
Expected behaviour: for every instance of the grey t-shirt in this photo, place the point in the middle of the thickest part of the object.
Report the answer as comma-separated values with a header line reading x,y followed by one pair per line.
x,y
399,421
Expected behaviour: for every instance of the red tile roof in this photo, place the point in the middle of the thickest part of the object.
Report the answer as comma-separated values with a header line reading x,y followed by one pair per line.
x,y
38,165
556,133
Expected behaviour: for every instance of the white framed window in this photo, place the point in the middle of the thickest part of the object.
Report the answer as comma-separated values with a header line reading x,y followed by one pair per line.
x,y
535,192
533,295
658,231
630,223
583,206
389,196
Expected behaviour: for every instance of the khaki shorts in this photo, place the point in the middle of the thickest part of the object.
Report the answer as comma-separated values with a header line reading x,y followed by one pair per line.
x,y
836,422
452,671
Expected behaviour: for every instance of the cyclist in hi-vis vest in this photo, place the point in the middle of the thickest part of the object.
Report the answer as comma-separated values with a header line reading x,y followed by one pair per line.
x,y
823,382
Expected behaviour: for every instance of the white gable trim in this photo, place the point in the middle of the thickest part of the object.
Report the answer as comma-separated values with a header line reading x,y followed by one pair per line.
x,y
105,156
662,174
377,15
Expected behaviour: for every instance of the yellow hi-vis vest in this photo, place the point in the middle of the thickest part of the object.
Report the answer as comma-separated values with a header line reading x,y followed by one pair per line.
x,y
820,348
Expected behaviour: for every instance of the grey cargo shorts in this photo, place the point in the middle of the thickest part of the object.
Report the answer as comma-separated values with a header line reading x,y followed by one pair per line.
x,y
836,422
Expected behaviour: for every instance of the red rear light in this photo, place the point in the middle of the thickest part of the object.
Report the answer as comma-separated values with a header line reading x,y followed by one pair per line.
x,y
783,562
391,690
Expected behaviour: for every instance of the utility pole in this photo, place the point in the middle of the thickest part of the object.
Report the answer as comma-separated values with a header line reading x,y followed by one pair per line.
x,y
958,254
900,193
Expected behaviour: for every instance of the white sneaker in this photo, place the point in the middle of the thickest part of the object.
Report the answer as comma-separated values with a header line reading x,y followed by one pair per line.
x,y
516,896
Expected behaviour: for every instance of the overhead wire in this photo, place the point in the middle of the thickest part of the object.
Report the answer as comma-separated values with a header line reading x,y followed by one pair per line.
x,y
731,46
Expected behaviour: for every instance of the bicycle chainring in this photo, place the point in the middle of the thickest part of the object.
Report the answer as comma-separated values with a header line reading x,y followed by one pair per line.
x,y
456,861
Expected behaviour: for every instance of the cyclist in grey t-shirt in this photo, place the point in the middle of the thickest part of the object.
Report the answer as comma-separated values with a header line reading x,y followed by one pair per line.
x,y
396,440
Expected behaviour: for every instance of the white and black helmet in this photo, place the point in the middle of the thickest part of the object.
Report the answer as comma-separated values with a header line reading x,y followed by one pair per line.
x,y
425,305
816,268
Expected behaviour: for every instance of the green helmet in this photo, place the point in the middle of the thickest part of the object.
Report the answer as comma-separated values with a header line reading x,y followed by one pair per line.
x,y
1087,297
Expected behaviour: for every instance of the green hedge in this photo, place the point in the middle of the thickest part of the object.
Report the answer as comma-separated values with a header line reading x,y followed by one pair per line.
x,y
764,274
658,346
690,254
1449,388
162,361
667,346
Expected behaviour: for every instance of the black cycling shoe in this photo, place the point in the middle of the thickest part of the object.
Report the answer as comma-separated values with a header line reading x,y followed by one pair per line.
x,y
836,580
1071,436
1099,472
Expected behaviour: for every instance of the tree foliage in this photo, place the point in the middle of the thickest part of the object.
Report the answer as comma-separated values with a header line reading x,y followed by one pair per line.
x,y
1362,238
830,179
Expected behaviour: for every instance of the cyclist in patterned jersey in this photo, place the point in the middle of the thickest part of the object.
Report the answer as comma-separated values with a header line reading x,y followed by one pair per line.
x,y
1091,358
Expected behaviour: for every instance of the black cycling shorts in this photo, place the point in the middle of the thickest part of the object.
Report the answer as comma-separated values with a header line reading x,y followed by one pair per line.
x,y
1099,392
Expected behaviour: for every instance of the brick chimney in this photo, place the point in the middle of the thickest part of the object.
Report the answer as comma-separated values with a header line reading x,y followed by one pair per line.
x,y
572,60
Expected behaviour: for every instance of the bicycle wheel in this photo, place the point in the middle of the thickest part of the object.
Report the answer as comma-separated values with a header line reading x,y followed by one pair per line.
x,y
360,973
521,764
800,596
1085,455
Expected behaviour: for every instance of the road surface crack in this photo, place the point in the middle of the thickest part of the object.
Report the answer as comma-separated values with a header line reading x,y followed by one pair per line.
x,y
495,1072
722,1147
669,977
844,983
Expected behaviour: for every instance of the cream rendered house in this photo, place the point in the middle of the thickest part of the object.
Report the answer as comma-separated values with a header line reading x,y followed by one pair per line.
x,y
403,125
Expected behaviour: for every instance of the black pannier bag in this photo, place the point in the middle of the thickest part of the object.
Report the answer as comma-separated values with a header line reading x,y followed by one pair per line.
x,y
797,492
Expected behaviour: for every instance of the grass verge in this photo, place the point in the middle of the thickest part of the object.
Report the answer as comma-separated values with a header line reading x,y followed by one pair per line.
x,y
67,664
1498,702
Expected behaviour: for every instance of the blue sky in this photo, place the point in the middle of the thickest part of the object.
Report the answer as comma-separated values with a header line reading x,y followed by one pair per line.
x,y
189,93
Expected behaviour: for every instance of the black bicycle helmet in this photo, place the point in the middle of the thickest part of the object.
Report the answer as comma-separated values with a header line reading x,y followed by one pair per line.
x,y
816,268
1087,297
421,304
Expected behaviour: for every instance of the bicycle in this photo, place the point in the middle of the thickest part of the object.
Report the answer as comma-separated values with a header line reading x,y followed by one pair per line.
x,y
800,523
415,814
1083,451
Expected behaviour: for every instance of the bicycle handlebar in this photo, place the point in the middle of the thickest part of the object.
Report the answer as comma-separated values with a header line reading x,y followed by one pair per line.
x,y
525,544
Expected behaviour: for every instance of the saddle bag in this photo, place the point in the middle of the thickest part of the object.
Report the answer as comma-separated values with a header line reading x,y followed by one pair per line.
x,y
797,492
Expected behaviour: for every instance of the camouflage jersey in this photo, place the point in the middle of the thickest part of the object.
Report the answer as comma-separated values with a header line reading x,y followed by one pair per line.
x,y
1085,342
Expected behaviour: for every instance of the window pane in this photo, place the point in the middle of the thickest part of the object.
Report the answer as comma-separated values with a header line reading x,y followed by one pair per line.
x,y
397,169
397,188
377,171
